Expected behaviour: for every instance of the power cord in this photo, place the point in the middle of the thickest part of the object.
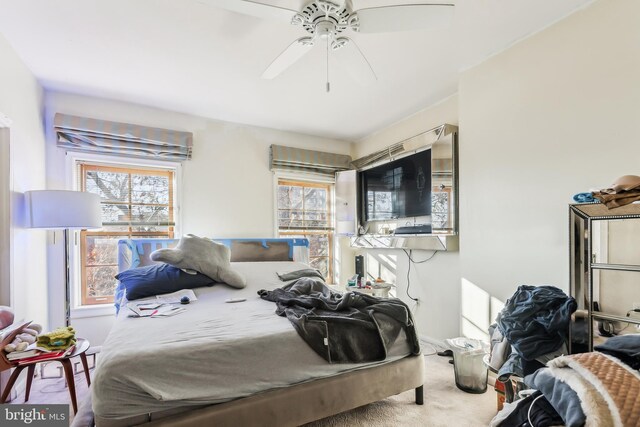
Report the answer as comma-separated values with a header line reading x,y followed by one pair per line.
x,y
412,261
530,407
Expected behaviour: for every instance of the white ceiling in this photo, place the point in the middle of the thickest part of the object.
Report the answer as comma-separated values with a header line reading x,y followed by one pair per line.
x,y
192,57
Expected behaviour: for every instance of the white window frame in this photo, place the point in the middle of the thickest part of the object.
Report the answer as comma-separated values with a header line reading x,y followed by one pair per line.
x,y
310,178
72,159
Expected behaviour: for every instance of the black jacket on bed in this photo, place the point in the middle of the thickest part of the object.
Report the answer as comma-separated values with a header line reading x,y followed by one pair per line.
x,y
350,327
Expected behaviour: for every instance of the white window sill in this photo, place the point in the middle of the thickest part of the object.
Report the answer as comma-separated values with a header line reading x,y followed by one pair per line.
x,y
93,311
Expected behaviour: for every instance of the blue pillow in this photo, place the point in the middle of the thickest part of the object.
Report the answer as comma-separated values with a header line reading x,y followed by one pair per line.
x,y
158,279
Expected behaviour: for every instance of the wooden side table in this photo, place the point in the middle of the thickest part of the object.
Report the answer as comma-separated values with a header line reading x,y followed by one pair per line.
x,y
81,348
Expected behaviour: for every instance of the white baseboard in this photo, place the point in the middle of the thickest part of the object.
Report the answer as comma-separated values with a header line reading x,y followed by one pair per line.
x,y
432,341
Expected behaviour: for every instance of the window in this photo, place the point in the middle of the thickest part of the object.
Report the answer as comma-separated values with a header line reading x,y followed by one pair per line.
x,y
305,209
136,202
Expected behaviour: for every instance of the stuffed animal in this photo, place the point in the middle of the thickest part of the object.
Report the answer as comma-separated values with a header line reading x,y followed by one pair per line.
x,y
204,256
6,316
27,336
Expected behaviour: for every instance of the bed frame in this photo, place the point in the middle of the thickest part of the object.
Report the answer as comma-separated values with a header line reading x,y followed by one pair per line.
x,y
298,404
289,406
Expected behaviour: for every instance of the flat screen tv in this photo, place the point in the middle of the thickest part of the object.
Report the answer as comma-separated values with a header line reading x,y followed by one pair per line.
x,y
398,189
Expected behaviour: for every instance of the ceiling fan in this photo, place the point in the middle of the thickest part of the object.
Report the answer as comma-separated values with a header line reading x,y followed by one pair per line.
x,y
325,21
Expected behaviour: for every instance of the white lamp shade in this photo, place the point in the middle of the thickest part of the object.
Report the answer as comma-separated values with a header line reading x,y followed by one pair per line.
x,y
63,209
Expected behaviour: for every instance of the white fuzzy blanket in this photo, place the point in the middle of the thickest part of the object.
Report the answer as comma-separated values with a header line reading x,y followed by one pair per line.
x,y
609,390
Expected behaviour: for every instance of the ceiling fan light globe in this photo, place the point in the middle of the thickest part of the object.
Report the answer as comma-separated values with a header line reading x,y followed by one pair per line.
x,y
325,29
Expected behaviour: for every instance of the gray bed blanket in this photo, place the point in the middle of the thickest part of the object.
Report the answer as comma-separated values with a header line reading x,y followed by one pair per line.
x,y
350,327
212,352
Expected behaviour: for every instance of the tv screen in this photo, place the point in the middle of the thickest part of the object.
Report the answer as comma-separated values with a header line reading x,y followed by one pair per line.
x,y
398,189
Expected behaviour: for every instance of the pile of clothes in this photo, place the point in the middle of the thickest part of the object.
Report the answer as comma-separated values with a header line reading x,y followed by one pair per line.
x,y
58,339
623,191
600,388
343,328
531,329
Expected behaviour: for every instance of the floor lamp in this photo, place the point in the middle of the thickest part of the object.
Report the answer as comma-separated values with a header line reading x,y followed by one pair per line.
x,y
66,210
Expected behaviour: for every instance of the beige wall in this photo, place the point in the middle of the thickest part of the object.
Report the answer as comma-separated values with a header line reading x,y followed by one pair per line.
x,y
436,283
554,115
227,189
20,101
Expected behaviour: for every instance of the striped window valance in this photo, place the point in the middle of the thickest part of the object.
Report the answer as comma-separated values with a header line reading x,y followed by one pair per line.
x,y
121,139
291,159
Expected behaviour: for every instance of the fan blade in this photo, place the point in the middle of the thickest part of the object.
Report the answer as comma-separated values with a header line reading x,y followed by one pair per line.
x,y
350,55
291,54
404,18
252,8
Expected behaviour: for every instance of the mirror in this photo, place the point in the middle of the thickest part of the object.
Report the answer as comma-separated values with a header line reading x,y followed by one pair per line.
x,y
432,226
443,182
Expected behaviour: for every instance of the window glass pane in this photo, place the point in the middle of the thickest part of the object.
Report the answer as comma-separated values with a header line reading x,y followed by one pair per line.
x,y
101,281
284,202
101,250
316,219
289,197
153,229
315,199
292,218
112,186
119,213
321,264
150,214
151,189
318,245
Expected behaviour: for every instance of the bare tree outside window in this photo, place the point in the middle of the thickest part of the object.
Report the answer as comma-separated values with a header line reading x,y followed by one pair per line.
x,y
305,210
135,203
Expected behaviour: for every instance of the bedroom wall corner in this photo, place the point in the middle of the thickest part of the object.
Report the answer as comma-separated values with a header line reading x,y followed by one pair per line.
x,y
554,115
435,283
21,102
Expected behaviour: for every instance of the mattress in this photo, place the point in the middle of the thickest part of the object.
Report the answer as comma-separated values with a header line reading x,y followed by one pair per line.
x,y
213,352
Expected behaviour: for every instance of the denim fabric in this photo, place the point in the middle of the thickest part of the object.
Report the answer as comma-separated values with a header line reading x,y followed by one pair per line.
x,y
584,198
535,320
561,396
624,347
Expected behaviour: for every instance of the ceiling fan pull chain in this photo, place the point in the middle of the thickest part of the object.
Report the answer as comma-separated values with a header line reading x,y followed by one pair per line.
x,y
328,84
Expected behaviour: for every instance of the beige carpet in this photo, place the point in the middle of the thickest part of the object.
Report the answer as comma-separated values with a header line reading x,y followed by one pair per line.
x,y
445,404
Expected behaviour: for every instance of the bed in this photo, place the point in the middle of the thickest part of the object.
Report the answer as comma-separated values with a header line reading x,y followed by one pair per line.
x,y
233,364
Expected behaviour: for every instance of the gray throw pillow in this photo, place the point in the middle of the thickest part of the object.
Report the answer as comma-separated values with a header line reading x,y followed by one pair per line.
x,y
204,256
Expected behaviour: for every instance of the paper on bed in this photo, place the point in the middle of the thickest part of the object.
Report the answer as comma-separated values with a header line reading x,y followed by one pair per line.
x,y
175,297
211,353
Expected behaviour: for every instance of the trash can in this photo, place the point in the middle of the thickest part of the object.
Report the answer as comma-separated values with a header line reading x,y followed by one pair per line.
x,y
471,372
